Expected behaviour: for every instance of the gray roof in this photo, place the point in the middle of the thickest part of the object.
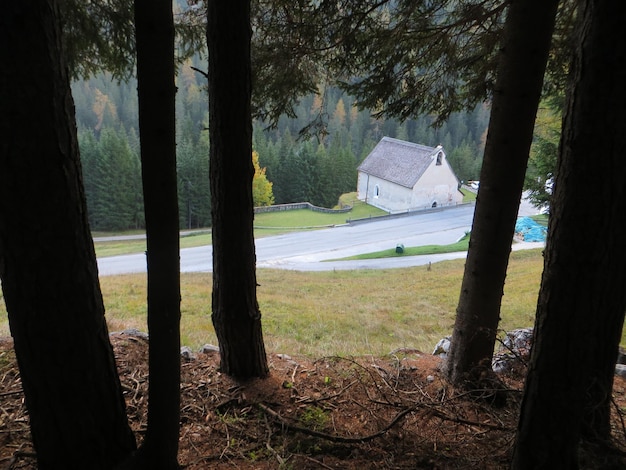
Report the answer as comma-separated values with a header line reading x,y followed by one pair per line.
x,y
398,161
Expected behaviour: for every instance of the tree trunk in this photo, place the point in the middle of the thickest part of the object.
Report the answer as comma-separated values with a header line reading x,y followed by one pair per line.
x,y
523,56
582,300
47,260
157,129
236,315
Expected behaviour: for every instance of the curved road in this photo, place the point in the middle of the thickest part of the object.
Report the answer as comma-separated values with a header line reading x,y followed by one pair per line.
x,y
305,251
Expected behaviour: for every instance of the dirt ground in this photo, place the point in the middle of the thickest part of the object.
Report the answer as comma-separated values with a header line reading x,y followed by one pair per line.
x,y
394,412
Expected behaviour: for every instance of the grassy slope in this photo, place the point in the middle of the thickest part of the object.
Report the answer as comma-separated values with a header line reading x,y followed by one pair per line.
x,y
344,312
461,245
348,313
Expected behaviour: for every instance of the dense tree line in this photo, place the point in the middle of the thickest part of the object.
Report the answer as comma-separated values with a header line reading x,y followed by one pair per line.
x,y
112,175
317,169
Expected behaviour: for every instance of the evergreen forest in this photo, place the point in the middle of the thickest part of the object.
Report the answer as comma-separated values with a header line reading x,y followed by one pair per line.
x,y
301,167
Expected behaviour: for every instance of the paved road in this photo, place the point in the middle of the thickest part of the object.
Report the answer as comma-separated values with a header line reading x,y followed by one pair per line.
x,y
306,251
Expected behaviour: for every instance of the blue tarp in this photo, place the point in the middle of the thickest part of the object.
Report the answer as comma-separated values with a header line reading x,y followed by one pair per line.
x,y
530,230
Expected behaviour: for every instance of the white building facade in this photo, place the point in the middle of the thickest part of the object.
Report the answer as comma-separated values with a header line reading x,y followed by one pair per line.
x,y
399,176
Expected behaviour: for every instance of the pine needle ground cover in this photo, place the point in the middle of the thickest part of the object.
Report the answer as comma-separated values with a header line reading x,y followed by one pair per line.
x,y
395,411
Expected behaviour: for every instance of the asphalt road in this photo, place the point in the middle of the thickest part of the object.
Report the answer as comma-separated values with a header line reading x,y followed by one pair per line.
x,y
310,251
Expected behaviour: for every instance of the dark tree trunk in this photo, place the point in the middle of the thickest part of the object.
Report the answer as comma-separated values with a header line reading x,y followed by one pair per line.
x,y
47,261
523,56
236,315
582,300
157,130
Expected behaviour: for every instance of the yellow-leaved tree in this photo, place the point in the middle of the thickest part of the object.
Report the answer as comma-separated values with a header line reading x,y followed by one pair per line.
x,y
262,193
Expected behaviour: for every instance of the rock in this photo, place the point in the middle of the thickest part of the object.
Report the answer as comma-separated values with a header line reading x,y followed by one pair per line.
x,y
620,369
518,341
135,332
514,351
442,347
209,349
503,363
621,356
187,353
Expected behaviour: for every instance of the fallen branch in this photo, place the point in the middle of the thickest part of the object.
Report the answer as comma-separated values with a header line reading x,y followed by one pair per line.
x,y
330,437
329,397
456,419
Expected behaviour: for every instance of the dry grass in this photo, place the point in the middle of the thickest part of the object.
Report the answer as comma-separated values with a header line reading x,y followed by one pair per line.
x,y
343,312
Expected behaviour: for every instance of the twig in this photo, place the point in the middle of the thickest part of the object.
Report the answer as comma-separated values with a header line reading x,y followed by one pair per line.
x,y
442,415
329,397
201,72
620,414
316,462
227,441
13,430
329,437
517,355
268,443
19,453
370,373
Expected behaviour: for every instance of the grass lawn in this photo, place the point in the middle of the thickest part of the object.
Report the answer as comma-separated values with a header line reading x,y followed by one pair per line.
x,y
266,224
125,247
461,245
303,219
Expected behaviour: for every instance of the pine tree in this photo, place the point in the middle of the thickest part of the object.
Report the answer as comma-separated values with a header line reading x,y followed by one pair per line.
x,y
520,79
49,273
235,309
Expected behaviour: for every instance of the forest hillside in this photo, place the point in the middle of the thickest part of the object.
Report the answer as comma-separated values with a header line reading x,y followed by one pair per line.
x,y
317,169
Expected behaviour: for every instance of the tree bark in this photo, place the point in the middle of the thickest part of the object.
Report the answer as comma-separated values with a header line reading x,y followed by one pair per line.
x,y
582,300
47,260
236,315
523,57
154,26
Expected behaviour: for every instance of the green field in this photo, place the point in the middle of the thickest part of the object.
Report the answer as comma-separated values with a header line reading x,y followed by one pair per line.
x,y
265,224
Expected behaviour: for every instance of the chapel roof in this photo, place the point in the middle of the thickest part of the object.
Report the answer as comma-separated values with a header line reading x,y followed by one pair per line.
x,y
399,161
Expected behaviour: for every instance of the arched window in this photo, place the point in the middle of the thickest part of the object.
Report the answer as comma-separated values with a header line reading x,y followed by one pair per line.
x,y
376,191
439,158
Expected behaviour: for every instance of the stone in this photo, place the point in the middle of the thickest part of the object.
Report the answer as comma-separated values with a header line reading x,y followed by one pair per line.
x,y
518,342
187,353
514,351
135,332
621,356
442,347
209,349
